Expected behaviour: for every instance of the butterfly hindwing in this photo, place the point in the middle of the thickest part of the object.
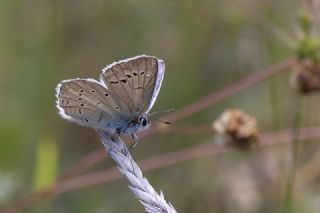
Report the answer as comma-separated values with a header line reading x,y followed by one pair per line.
x,y
87,102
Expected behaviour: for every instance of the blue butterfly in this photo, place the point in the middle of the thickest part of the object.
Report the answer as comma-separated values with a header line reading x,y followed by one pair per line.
x,y
120,102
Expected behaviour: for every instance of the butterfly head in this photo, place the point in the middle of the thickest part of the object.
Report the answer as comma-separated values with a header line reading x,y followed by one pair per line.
x,y
144,121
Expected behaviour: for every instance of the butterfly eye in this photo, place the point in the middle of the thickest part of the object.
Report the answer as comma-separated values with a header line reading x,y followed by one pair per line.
x,y
144,121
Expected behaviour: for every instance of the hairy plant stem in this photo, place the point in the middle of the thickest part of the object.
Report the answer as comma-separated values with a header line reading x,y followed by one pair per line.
x,y
139,185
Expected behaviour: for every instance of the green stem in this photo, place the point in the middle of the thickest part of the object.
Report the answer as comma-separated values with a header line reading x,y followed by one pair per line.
x,y
289,193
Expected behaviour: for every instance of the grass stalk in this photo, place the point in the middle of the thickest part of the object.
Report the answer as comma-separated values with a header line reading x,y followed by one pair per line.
x,y
138,184
288,206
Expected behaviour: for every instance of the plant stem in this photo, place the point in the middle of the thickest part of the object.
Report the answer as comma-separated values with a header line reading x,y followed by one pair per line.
x,y
138,184
295,147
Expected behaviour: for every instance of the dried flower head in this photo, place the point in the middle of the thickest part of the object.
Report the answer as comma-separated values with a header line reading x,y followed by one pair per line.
x,y
306,76
237,128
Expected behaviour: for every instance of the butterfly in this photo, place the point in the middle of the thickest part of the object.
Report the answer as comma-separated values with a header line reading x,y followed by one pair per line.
x,y
119,102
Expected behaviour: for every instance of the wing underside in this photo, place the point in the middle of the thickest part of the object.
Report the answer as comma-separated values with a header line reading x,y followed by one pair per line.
x,y
135,82
86,102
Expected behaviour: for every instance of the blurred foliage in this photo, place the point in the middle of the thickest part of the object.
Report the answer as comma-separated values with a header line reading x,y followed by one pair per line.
x,y
206,45
45,170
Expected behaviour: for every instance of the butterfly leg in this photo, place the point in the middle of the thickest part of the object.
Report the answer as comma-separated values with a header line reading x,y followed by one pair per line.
x,y
135,141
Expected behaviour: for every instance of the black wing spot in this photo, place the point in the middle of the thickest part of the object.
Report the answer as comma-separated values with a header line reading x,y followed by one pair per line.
x,y
106,94
113,82
79,99
135,74
80,111
80,94
82,105
148,76
117,108
82,90
129,76
142,73
123,81
93,91
86,120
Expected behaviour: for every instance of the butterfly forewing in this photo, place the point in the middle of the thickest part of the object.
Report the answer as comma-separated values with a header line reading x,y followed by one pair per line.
x,y
120,88
133,81
153,86
87,102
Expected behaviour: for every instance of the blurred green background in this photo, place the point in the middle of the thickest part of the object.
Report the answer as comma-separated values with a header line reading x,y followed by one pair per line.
x,y
206,45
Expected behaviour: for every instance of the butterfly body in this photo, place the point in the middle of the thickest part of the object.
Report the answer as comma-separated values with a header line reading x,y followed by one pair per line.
x,y
119,103
128,126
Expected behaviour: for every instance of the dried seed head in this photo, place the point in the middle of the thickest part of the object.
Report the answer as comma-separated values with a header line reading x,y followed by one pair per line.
x,y
237,128
306,76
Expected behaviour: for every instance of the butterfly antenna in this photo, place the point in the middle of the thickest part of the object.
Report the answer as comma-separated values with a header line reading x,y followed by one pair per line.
x,y
162,111
165,122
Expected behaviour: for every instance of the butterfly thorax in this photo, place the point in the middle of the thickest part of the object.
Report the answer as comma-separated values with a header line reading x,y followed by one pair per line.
x,y
130,126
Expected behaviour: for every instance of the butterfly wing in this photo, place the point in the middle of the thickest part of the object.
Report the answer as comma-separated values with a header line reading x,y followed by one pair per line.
x,y
135,82
88,103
